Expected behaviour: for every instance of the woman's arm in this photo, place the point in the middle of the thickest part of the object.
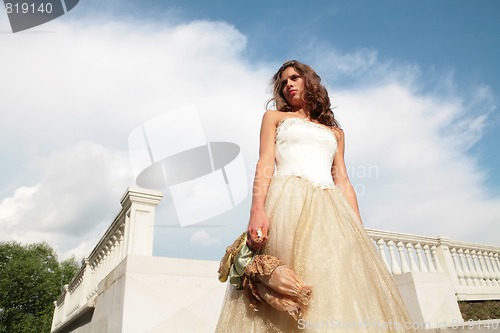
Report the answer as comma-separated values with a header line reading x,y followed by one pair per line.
x,y
263,174
339,173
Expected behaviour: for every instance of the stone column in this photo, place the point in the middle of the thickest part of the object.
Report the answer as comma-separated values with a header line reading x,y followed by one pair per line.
x,y
140,206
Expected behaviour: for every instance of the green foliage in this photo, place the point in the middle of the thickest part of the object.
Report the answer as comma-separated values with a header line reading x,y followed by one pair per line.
x,y
31,279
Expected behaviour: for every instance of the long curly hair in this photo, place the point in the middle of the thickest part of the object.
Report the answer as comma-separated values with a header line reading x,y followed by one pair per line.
x,y
315,94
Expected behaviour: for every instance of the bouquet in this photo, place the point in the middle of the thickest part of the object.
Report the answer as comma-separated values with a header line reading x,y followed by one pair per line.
x,y
264,278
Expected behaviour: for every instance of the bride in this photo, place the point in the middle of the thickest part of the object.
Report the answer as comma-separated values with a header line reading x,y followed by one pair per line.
x,y
305,212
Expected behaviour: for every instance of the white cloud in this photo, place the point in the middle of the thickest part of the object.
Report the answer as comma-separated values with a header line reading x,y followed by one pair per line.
x,y
425,182
12,207
77,195
202,238
114,76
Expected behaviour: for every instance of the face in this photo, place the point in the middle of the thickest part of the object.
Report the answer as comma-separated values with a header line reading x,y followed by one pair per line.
x,y
292,87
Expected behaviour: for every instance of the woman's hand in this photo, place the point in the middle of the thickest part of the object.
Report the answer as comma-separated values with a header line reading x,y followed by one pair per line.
x,y
257,230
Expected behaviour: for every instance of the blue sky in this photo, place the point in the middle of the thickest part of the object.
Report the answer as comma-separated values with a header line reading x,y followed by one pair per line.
x,y
415,86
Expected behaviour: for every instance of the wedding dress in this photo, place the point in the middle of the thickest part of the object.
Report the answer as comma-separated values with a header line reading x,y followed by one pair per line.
x,y
314,230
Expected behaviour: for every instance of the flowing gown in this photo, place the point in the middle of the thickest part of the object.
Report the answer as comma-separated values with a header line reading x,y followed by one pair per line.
x,y
314,230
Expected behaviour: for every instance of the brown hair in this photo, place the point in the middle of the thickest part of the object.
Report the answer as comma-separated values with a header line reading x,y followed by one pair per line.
x,y
315,94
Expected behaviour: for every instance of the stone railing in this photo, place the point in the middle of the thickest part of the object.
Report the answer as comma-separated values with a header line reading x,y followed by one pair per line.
x,y
130,233
473,269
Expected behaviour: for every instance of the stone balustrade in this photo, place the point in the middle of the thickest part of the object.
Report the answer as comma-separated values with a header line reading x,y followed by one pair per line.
x,y
130,233
473,269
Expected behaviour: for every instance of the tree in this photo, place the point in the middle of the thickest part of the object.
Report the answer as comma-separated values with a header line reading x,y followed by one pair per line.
x,y
31,279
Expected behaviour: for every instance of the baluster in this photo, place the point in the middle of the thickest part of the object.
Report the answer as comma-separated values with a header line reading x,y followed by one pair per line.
x,y
427,253
380,244
458,268
490,262
107,250
496,265
104,262
109,256
413,264
394,264
491,272
90,285
116,248
93,278
473,271
113,252
111,249
485,268
480,271
439,268
122,241
100,263
93,285
421,263
465,267
404,264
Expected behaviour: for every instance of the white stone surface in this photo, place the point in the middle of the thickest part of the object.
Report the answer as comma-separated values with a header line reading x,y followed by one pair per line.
x,y
171,295
430,298
154,294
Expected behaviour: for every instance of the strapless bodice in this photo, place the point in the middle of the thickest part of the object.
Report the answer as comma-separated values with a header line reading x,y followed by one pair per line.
x,y
305,149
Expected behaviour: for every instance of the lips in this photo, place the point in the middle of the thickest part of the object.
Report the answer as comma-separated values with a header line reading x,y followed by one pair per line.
x,y
292,92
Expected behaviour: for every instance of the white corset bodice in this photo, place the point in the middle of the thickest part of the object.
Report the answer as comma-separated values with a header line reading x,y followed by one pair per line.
x,y
305,149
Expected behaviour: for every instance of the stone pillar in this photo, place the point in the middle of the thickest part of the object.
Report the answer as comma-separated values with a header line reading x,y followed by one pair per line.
x,y
85,282
139,205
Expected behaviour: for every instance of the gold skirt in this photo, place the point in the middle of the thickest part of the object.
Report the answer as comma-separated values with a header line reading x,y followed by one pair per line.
x,y
315,232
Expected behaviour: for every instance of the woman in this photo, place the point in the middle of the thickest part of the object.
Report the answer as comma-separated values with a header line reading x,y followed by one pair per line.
x,y
305,212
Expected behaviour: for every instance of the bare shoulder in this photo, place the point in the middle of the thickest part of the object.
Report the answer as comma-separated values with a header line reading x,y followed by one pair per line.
x,y
273,117
339,133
